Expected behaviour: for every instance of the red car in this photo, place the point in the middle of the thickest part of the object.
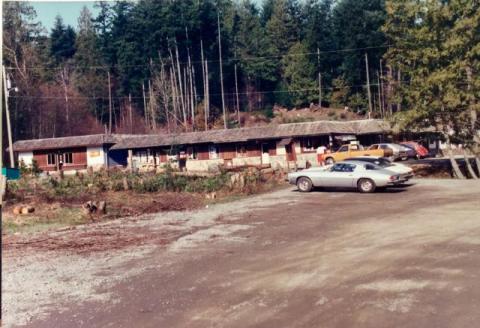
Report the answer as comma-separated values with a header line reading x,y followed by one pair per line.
x,y
421,151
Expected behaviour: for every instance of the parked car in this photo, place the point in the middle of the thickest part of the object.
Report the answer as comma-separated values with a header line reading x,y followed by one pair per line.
x,y
363,176
406,172
351,150
398,152
421,152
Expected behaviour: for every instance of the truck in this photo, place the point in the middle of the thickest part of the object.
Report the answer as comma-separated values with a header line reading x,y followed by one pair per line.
x,y
352,150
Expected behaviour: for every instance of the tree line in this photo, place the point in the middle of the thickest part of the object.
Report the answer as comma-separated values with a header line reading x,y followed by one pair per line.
x,y
149,65
144,66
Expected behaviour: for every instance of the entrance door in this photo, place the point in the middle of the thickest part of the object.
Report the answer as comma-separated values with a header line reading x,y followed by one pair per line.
x,y
265,154
290,149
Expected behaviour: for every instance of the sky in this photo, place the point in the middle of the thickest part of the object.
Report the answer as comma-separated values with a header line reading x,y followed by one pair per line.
x,y
69,10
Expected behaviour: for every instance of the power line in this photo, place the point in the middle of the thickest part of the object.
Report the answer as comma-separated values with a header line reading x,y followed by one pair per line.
x,y
219,94
104,67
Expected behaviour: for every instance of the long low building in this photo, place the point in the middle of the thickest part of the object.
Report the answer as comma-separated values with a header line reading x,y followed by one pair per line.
x,y
282,146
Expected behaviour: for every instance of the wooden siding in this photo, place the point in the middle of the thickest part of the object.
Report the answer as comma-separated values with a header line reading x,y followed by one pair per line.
x,y
228,151
254,149
202,152
79,158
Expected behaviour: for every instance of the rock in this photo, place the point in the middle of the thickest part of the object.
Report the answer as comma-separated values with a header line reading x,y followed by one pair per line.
x,y
102,207
17,210
211,195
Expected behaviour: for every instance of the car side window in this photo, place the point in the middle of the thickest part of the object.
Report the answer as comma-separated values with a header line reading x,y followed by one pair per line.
x,y
337,168
343,148
374,147
369,167
348,168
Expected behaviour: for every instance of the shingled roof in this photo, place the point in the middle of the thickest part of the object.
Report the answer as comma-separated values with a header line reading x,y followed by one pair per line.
x,y
124,141
64,142
254,133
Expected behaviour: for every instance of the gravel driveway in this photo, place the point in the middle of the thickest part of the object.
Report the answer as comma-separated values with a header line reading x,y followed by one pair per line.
x,y
401,258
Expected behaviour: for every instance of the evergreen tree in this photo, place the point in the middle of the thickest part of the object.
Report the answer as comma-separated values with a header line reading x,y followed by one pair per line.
x,y
425,36
90,71
62,41
299,75
357,24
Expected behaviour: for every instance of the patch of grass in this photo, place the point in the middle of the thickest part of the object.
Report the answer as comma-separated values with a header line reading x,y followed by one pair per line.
x,y
59,218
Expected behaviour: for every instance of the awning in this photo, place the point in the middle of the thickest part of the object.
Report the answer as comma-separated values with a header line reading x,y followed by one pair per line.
x,y
285,141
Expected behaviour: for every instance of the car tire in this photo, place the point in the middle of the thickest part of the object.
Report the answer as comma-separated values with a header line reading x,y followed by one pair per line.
x,y
329,161
304,184
365,185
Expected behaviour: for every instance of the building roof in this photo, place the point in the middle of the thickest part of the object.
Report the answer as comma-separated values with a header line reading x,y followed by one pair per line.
x,y
254,133
64,142
123,141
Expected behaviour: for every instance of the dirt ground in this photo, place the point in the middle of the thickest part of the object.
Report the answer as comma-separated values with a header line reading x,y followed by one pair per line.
x,y
401,258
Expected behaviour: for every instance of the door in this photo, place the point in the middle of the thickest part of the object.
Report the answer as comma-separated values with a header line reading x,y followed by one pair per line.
x,y
290,150
265,154
340,175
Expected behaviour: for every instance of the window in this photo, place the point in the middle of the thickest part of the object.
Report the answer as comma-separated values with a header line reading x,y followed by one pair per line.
x,y
51,159
213,152
241,151
370,167
343,168
373,147
192,153
337,168
343,148
68,158
308,145
348,167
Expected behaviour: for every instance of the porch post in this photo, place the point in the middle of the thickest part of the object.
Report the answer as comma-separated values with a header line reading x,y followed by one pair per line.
x,y
130,160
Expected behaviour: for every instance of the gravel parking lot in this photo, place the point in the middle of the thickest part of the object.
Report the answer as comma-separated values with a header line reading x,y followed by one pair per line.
x,y
407,257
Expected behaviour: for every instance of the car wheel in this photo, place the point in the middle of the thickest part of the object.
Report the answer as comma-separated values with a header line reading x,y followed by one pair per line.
x,y
329,161
304,184
366,185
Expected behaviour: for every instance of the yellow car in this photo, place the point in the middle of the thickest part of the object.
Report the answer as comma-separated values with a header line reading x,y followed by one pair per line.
x,y
352,150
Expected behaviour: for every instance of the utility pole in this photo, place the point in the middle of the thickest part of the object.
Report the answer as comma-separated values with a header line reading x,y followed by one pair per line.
x,y
379,96
368,87
109,104
381,90
208,93
7,115
319,80
236,88
130,112
145,113
204,87
221,71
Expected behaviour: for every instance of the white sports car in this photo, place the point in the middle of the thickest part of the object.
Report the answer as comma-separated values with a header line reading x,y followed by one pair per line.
x,y
405,171
363,176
